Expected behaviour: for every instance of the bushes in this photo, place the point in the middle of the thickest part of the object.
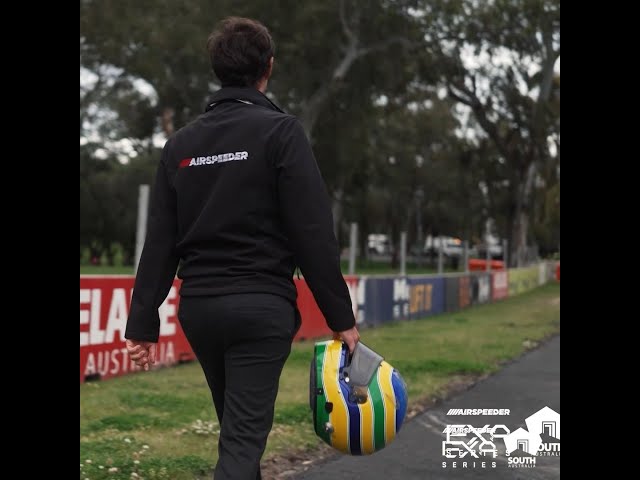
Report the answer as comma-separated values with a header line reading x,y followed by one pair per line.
x,y
115,255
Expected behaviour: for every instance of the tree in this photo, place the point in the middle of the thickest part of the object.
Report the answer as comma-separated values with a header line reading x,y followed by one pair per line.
x,y
326,53
387,92
108,199
508,93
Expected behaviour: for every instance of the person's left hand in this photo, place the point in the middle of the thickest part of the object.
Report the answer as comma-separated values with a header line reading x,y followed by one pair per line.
x,y
142,353
349,337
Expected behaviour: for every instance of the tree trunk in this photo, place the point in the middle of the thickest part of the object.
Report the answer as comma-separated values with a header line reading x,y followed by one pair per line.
x,y
521,232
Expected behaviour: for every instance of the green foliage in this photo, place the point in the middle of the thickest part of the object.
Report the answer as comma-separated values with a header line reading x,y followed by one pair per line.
x,y
108,203
118,255
366,78
85,256
106,270
513,98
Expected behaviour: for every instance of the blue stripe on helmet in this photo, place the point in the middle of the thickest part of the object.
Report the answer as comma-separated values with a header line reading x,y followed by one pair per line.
x,y
354,412
400,391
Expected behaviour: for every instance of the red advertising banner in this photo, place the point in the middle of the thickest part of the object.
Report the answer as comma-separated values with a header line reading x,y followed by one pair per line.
x,y
104,309
499,284
464,291
313,322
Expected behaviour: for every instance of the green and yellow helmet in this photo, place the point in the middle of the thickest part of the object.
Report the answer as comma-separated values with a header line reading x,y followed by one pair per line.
x,y
358,401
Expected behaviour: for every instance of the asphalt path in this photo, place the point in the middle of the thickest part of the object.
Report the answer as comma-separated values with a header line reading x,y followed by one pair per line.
x,y
524,387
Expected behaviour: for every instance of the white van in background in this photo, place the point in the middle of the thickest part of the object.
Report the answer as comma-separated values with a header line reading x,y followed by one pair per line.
x,y
495,247
379,244
451,246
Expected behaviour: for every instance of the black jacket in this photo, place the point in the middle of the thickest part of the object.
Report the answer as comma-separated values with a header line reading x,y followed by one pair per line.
x,y
239,201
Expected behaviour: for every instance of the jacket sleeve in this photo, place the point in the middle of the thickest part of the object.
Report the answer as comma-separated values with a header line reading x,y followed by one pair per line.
x,y
308,222
158,262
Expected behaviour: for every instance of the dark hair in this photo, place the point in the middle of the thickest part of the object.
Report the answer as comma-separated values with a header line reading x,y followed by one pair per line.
x,y
240,50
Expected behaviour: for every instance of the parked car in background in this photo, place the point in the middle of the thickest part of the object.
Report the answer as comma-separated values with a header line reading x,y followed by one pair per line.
x,y
452,249
379,244
494,245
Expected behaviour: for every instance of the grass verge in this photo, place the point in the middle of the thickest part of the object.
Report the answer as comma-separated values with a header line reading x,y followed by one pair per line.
x,y
362,268
161,424
106,270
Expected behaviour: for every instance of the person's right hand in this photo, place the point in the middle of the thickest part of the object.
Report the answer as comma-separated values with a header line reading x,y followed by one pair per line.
x,y
350,337
142,353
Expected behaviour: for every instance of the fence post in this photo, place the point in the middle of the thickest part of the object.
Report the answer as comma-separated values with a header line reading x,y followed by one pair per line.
x,y
487,256
353,245
505,252
403,253
440,254
465,255
141,229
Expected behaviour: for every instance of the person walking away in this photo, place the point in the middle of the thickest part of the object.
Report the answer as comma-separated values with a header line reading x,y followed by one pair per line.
x,y
239,202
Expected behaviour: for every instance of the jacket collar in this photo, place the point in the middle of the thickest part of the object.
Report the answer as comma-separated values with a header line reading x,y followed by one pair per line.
x,y
247,94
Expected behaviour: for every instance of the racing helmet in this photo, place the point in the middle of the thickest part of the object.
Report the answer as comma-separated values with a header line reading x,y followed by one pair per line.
x,y
358,401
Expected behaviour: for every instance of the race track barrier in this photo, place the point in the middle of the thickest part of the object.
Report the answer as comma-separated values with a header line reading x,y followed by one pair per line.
x,y
386,300
457,292
522,279
499,285
480,288
104,308
376,300
426,296
313,322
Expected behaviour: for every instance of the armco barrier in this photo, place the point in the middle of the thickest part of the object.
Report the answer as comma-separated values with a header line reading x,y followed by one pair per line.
x,y
104,308
480,288
499,284
426,296
522,279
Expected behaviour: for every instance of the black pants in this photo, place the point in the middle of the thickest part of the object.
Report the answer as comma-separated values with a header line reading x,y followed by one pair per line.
x,y
242,342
